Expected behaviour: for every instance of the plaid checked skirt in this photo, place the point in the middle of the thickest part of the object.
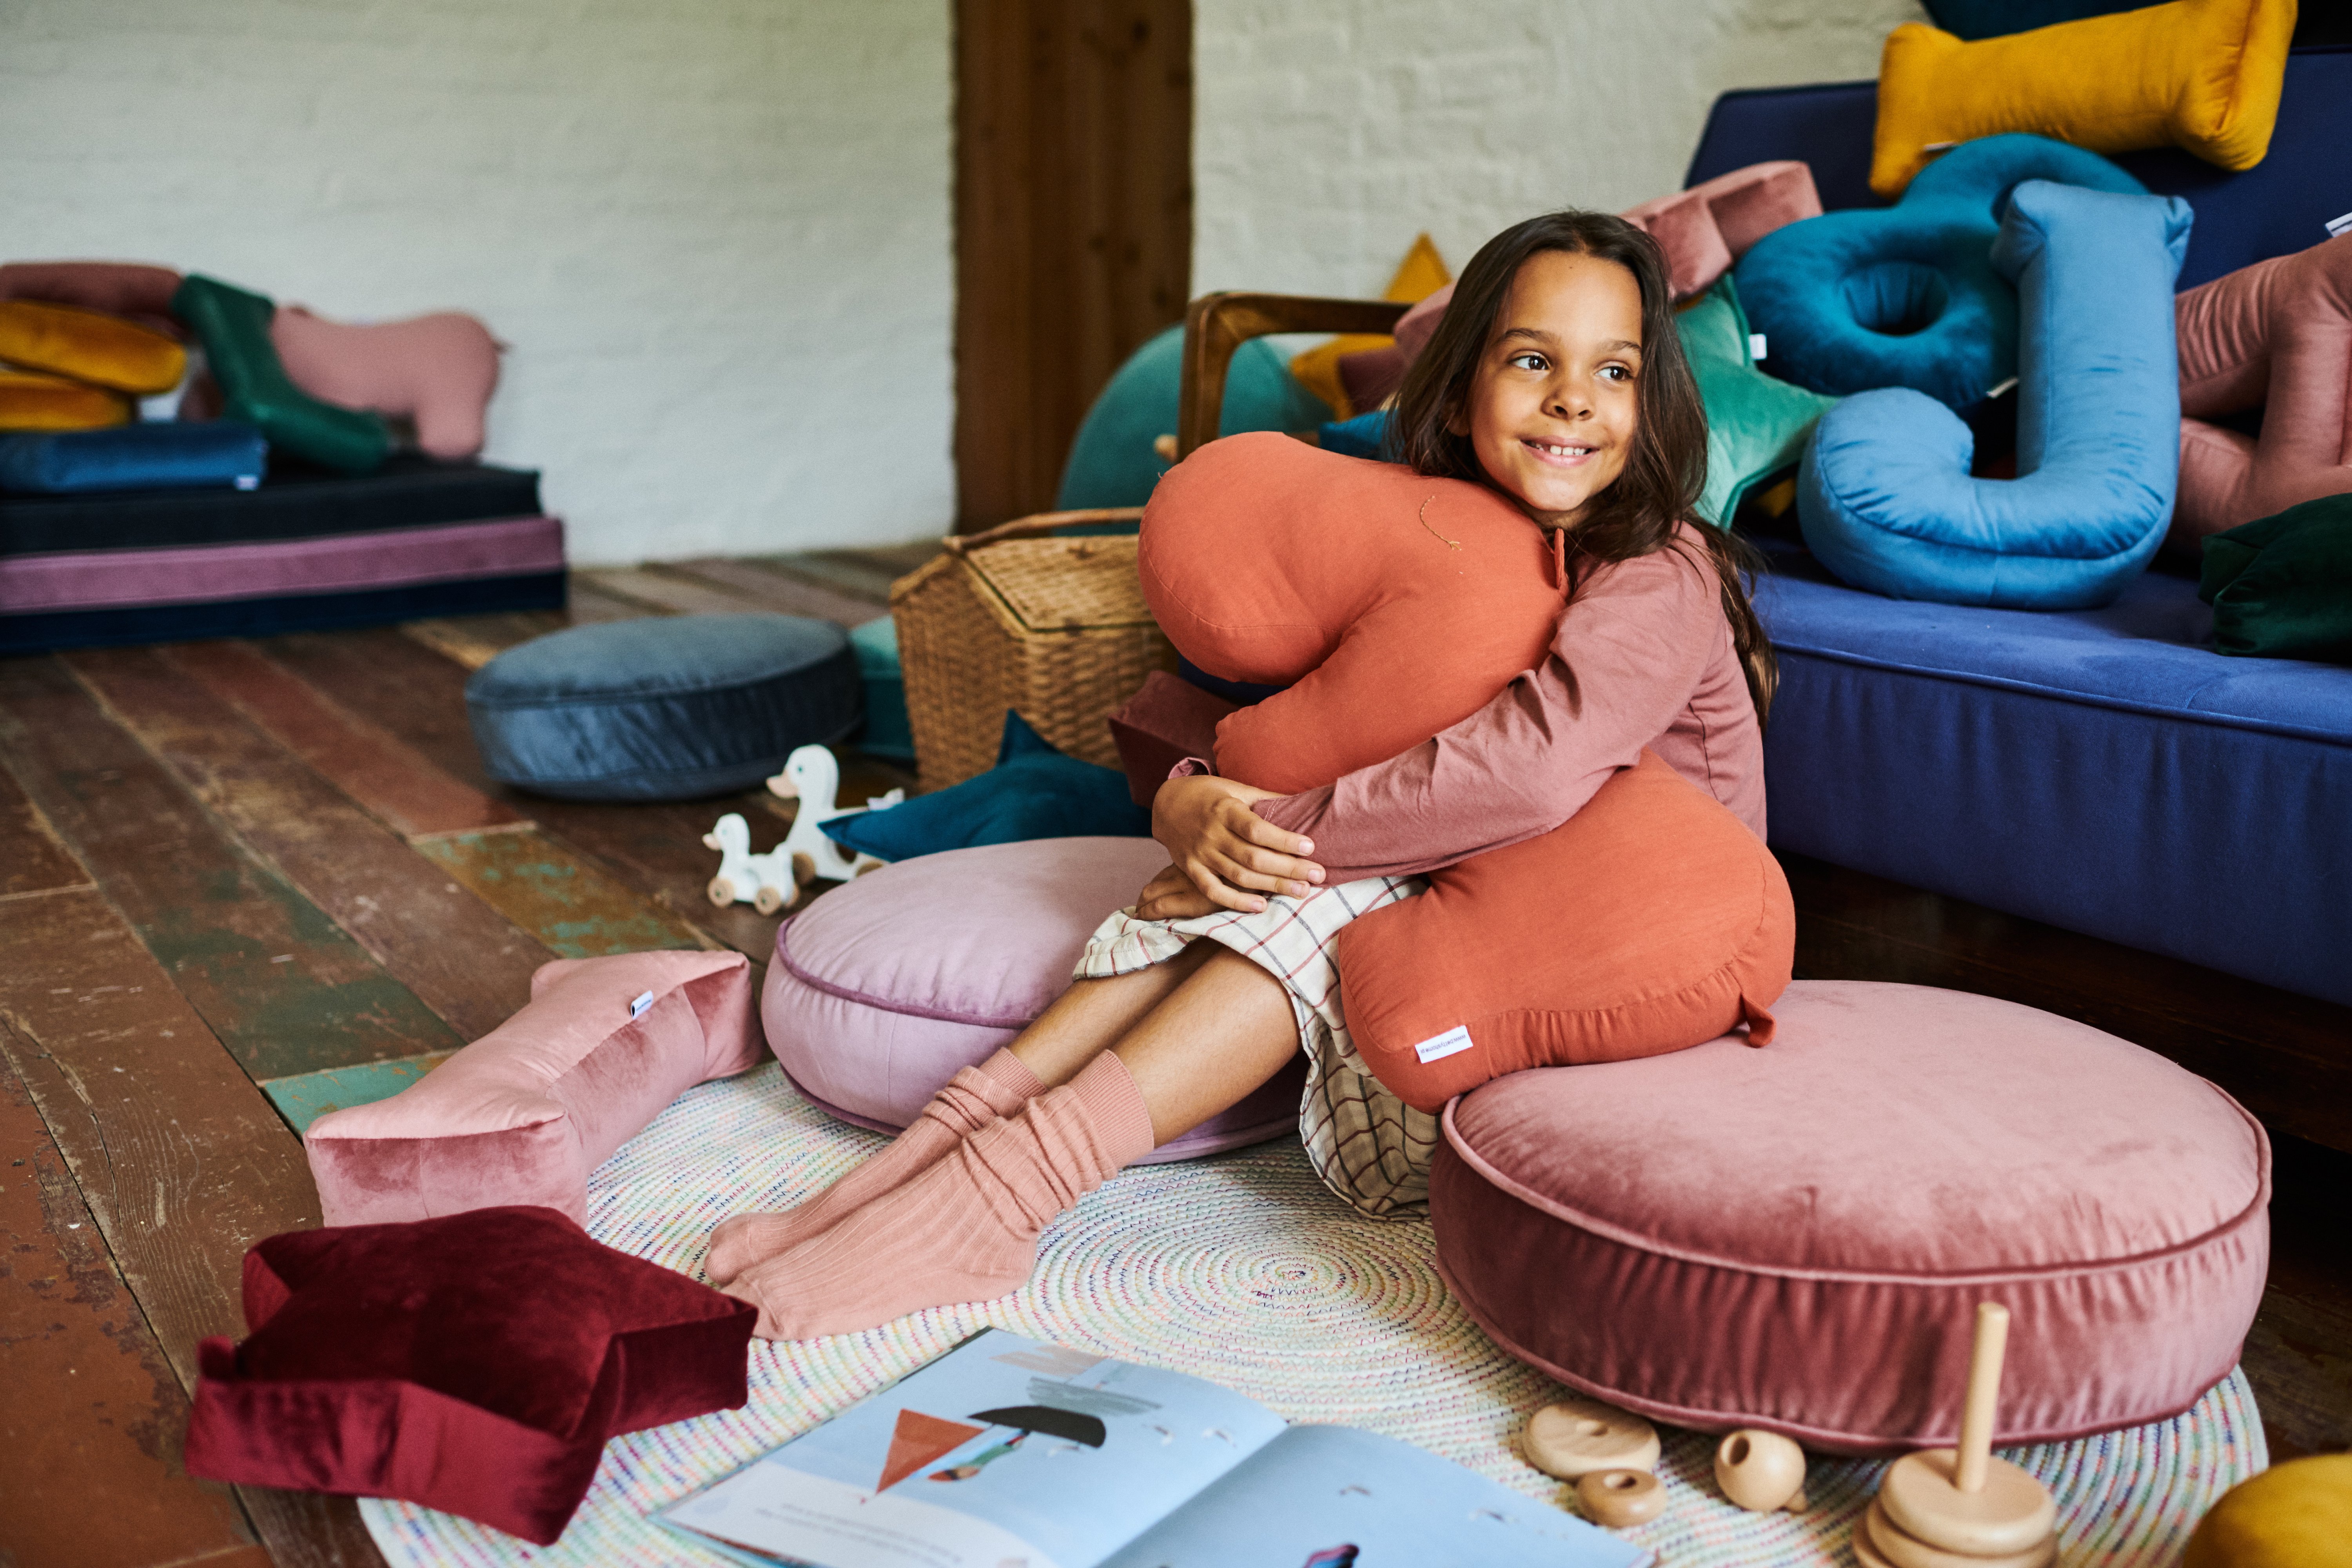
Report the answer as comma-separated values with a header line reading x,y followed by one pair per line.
x,y
1369,1146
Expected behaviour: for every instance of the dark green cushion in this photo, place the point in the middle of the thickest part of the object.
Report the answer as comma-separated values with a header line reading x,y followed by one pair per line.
x,y
2281,588
233,325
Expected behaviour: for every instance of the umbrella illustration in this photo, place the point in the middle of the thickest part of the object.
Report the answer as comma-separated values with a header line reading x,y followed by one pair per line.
x,y
1075,1426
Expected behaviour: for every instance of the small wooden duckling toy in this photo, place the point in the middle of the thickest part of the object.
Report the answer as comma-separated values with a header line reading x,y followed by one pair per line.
x,y
1761,1471
1962,1508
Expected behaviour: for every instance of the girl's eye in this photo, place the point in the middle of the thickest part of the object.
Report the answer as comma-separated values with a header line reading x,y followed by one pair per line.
x,y
1529,360
1617,372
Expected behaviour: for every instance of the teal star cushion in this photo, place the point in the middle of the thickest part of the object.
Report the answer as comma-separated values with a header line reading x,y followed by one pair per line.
x,y
1756,425
1033,791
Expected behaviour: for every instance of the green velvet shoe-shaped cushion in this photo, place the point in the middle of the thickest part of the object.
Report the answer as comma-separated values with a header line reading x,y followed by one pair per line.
x,y
2281,588
235,327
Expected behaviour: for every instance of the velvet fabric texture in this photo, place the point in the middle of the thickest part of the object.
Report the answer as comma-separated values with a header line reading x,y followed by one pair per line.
x,y
476,1363
887,732
667,708
1033,791
1756,423
1907,295
1885,495
1797,1238
524,1113
1111,462
32,401
437,371
153,455
1704,229
88,345
2275,336
1974,19
1649,920
2202,75
2282,587
883,989
234,326
118,288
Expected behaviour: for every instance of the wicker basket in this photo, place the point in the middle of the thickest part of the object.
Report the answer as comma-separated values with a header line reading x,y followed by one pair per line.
x,y
1055,629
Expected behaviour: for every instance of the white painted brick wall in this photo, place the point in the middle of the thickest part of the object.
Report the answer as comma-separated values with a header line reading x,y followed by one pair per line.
x,y
1327,132
716,232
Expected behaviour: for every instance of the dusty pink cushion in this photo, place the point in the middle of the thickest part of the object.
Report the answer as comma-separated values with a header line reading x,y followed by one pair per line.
x,y
438,369
882,989
2276,335
524,1113
1796,1238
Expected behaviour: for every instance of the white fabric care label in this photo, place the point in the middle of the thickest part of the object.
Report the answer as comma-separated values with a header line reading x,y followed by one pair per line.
x,y
1437,1047
637,1008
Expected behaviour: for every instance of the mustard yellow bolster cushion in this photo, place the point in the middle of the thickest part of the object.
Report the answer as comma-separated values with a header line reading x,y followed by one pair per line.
x,y
90,345
31,401
2203,75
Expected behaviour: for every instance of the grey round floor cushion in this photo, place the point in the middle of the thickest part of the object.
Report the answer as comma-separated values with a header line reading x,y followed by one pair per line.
x,y
668,707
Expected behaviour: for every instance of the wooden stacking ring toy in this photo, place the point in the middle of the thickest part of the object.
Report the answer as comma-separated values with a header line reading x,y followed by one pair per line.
x,y
1761,1471
1960,1507
1577,1436
1619,1500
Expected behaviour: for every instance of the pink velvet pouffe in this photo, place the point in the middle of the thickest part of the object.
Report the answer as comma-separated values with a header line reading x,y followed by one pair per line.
x,y
882,989
1796,1237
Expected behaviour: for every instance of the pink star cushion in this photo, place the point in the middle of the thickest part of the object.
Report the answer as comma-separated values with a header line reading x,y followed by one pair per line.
x,y
2276,335
475,1363
524,1113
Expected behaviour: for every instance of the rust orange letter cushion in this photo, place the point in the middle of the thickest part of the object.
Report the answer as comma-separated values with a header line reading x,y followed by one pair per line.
x,y
1397,606
478,1363
524,1113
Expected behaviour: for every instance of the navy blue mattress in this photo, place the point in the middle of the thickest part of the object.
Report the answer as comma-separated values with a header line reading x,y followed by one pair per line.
x,y
2105,770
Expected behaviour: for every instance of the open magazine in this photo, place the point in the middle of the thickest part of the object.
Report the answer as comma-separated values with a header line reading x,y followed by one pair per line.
x,y
1009,1453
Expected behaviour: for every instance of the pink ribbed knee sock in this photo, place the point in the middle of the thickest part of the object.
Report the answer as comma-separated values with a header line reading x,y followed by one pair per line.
x,y
972,1100
964,1230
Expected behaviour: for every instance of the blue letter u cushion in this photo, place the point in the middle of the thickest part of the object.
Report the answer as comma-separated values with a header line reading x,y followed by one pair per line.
x,y
662,708
1904,295
1885,493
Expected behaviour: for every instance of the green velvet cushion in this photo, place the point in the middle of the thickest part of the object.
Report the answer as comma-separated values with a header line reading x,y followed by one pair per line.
x,y
235,327
1111,462
1756,425
2281,588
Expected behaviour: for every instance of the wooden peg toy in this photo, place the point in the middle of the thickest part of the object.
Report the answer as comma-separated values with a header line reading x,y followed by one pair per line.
x,y
1961,1507
1577,1436
1761,1471
1620,1500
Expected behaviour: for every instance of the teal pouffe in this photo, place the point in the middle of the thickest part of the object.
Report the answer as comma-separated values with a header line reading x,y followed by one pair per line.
x,y
663,709
889,733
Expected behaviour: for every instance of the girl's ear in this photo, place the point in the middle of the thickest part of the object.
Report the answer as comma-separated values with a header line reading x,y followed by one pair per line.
x,y
1457,419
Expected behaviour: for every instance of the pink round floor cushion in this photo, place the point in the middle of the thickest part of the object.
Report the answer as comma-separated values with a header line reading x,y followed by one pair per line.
x,y
2276,335
882,989
1797,1238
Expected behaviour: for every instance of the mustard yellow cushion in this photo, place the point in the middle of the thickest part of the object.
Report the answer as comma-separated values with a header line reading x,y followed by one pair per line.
x,y
30,401
2203,75
2297,1515
90,345
1420,274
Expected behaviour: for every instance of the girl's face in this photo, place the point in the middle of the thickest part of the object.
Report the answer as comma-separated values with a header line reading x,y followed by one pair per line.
x,y
1552,407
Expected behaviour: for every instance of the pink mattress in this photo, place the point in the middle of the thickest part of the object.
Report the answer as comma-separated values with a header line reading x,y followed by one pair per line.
x,y
183,574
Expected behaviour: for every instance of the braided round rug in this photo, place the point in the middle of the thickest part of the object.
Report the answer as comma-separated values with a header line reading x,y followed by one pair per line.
x,y
1242,1269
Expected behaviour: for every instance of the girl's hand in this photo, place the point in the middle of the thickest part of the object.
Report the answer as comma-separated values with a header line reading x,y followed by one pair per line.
x,y
1171,895
1228,851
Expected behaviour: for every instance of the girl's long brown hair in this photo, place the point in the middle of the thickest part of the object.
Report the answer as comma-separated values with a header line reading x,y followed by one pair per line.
x,y
1666,468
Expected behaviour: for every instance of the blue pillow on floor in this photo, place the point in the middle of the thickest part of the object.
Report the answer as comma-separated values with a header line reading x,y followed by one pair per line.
x,y
1884,494
1033,791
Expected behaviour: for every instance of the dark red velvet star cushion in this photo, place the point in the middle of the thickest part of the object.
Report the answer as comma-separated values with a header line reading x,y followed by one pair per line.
x,y
475,1363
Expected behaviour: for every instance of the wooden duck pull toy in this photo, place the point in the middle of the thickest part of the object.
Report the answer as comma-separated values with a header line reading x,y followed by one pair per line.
x,y
1761,1471
1962,1508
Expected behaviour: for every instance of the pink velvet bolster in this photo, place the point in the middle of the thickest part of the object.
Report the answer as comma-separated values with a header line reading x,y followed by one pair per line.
x,y
183,574
524,1113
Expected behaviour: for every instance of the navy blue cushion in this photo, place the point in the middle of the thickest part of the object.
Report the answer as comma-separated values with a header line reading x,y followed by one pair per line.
x,y
662,708
2105,771
1974,19
155,456
1907,295
2280,205
1885,495
1033,791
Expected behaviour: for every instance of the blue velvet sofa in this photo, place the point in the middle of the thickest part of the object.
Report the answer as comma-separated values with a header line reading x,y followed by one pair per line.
x,y
2089,811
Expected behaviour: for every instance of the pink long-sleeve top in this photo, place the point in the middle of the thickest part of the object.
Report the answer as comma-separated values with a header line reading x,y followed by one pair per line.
x,y
1654,667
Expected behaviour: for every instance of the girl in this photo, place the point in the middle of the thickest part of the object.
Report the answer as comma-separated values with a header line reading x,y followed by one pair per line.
x,y
1556,378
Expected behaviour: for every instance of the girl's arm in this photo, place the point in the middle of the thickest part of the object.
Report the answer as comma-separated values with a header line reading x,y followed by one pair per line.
x,y
1638,638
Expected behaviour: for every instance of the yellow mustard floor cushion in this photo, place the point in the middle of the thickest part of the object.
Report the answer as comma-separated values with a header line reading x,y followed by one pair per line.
x,y
2297,1515
90,345
31,401
2202,75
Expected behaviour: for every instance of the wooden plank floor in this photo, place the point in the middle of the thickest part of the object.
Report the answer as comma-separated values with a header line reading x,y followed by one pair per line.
x,y
243,883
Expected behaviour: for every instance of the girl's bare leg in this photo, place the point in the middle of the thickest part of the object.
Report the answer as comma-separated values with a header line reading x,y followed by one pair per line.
x,y
965,1229
1093,1015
